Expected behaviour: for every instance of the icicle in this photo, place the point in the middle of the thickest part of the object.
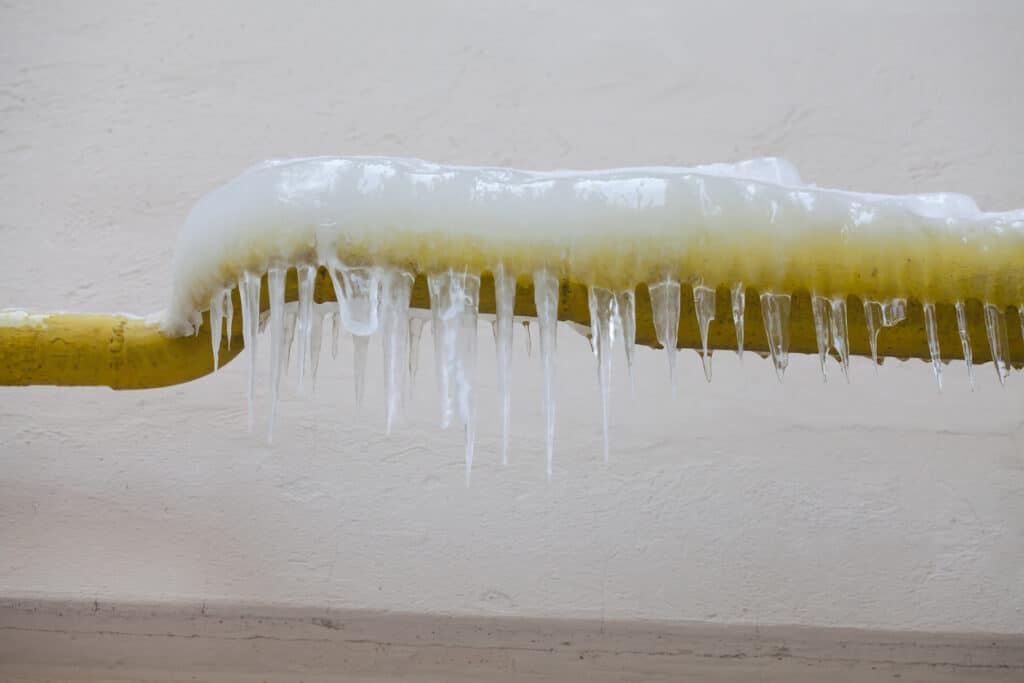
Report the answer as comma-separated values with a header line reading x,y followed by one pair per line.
x,y
998,342
704,305
216,324
931,331
545,297
1020,316
335,333
466,368
229,315
358,294
604,310
879,314
872,317
395,291
249,292
275,284
840,334
504,305
307,279
822,310
454,306
626,301
665,310
315,342
291,316
415,334
443,328
529,339
739,304
965,341
360,346
775,310
893,311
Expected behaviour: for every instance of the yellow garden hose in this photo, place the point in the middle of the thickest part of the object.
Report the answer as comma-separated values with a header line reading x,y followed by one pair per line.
x,y
71,349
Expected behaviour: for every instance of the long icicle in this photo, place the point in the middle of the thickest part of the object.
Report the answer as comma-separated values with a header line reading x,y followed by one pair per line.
x,y
317,340
360,347
466,367
249,292
965,340
998,341
704,306
216,324
415,335
504,305
775,310
304,329
545,297
604,311
443,327
395,291
626,300
932,333
665,311
275,285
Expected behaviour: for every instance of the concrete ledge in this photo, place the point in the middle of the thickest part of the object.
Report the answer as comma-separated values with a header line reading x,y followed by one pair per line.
x,y
46,640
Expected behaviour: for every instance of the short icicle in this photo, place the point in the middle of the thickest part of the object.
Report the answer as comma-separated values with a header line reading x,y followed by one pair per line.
x,y
443,327
775,309
665,311
704,305
229,315
821,308
504,305
396,287
545,297
357,289
840,334
872,318
626,301
275,285
216,325
739,304
529,339
998,341
249,292
932,333
965,340
304,327
604,311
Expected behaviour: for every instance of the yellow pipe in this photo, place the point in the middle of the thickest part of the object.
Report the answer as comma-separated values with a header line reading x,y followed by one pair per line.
x,y
125,353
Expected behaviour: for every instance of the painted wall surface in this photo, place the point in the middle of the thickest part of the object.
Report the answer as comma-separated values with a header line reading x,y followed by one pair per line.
x,y
876,504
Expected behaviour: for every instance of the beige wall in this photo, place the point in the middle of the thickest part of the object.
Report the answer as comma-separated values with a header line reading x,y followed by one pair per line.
x,y
879,504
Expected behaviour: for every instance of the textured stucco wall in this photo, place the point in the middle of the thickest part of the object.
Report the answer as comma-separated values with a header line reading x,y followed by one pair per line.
x,y
879,504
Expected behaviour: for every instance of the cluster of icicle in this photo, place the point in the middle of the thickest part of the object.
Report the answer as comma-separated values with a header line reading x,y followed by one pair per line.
x,y
376,299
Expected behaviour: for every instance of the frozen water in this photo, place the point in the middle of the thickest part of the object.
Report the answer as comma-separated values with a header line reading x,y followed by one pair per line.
x,y
704,305
504,305
665,311
932,333
626,301
965,341
821,308
738,296
604,311
998,342
545,297
840,334
775,310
